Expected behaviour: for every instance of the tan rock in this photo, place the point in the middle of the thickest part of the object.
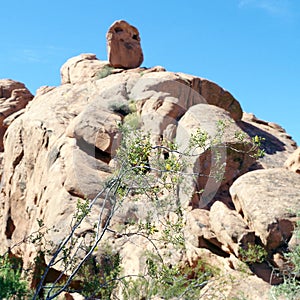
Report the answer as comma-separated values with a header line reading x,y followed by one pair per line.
x,y
81,68
197,230
293,162
233,279
230,229
268,200
124,45
278,145
236,285
13,97
94,127
44,89
222,159
165,97
58,150
215,95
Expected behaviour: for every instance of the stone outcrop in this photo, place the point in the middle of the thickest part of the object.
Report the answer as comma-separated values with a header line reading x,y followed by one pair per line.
x,y
83,67
230,163
268,201
60,148
278,144
124,46
230,229
13,97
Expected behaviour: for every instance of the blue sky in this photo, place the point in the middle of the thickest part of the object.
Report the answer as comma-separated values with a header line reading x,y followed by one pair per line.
x,y
249,47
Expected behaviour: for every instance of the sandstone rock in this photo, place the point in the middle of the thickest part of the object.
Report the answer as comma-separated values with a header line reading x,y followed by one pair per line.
x,y
13,97
268,200
81,68
293,162
230,229
278,145
44,89
96,127
236,285
215,95
58,149
218,163
198,233
7,86
234,279
165,97
124,45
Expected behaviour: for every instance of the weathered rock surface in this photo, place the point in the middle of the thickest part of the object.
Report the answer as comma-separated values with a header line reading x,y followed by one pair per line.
x,y
83,67
59,149
269,202
13,97
230,229
236,285
197,231
278,145
124,45
293,162
222,159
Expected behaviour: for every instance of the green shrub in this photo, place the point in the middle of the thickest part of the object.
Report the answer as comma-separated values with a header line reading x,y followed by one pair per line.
x,y
104,72
290,288
253,254
11,283
168,281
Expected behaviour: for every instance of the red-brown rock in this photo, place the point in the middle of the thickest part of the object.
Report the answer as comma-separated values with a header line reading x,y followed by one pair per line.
x,y
124,47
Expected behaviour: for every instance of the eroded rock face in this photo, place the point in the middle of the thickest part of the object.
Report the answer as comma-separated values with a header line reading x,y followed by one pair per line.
x,y
269,201
81,68
233,155
13,97
230,229
278,144
124,46
293,162
59,149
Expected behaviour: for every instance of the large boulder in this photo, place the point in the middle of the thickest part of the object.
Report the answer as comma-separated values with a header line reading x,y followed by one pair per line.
x,y
277,143
222,158
124,45
230,229
269,201
83,67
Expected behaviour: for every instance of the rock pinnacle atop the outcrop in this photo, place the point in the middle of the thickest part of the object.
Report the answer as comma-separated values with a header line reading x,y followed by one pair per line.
x,y
123,45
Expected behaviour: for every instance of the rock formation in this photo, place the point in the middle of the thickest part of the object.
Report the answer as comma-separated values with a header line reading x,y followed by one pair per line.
x,y
14,96
124,46
61,148
293,162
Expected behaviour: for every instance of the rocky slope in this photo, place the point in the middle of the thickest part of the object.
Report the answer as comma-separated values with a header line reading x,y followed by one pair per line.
x,y
60,148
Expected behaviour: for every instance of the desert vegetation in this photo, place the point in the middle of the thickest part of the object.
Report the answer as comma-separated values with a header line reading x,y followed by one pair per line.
x,y
145,174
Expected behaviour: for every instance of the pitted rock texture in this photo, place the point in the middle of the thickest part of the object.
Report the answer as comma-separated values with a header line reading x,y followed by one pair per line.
x,y
124,45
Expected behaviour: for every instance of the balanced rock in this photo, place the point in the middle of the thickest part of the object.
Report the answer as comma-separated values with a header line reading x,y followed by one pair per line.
x,y
124,47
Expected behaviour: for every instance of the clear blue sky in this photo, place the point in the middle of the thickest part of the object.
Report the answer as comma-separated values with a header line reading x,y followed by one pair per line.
x,y
249,47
